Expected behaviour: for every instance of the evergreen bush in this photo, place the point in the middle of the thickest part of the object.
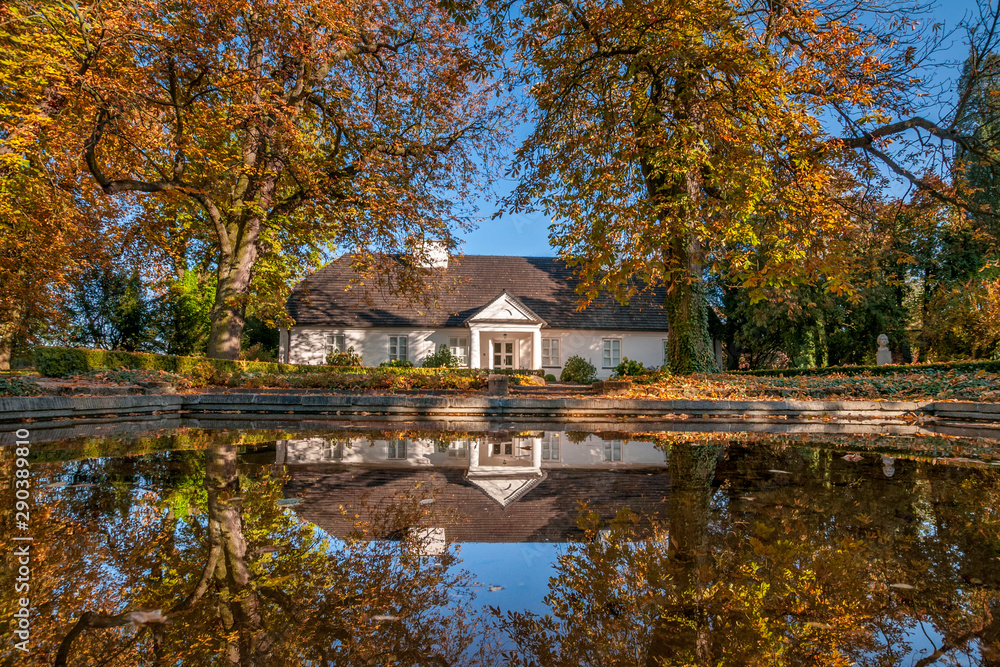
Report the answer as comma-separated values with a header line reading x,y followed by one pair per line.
x,y
578,369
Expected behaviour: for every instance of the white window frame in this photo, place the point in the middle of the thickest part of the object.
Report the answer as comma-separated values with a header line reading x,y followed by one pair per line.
x,y
550,358
397,351
458,449
608,352
395,450
614,451
336,343
459,346
551,447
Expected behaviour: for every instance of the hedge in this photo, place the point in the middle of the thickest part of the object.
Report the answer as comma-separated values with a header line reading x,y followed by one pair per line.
x,y
887,369
67,361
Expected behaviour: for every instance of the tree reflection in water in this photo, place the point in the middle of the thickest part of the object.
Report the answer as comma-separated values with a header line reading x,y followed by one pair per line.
x,y
763,553
754,565
240,580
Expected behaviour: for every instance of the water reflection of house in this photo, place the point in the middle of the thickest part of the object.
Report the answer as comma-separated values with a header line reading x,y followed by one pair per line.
x,y
488,489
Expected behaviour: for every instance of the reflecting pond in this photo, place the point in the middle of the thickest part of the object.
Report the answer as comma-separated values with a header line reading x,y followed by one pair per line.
x,y
363,547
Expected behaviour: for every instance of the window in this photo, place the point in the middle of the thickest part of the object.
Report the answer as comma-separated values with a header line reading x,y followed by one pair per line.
x,y
612,450
550,352
550,447
612,352
458,449
397,348
459,346
666,353
503,448
335,343
396,449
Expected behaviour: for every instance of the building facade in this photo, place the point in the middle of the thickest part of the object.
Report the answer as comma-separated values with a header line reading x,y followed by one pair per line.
x,y
491,311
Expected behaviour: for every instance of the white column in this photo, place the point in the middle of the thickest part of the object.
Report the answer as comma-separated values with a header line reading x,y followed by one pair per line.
x,y
474,352
536,348
536,453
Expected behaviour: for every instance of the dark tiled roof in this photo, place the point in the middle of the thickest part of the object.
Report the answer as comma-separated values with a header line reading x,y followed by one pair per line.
x,y
548,512
544,284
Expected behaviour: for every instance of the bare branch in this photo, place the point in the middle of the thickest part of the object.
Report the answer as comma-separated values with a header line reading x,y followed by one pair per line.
x,y
924,185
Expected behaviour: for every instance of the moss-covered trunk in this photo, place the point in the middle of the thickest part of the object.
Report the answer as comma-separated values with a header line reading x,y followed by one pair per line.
x,y
689,345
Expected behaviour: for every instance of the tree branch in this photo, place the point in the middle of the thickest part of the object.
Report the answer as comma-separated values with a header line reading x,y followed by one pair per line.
x,y
929,188
92,619
114,186
868,139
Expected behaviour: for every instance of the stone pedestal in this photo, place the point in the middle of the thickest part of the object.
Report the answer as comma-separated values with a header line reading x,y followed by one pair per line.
x,y
883,356
497,385
613,387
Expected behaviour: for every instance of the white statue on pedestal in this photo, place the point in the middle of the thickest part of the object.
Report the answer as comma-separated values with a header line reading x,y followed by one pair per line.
x,y
884,356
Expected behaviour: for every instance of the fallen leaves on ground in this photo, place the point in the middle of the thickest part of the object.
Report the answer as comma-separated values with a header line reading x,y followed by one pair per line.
x,y
913,386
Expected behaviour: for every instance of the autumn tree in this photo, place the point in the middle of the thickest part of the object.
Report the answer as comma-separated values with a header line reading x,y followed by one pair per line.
x,y
277,125
778,554
203,563
675,137
52,222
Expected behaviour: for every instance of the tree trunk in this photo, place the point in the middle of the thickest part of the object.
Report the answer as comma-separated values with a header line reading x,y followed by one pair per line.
x,y
239,606
689,344
8,330
6,347
230,298
692,471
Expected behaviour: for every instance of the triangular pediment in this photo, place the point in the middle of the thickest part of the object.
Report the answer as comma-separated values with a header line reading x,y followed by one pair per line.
x,y
505,489
505,308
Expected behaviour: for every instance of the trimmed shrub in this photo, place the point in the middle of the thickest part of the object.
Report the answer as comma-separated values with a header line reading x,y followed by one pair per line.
x,y
396,363
549,377
514,371
61,362
65,361
629,368
348,359
578,369
443,358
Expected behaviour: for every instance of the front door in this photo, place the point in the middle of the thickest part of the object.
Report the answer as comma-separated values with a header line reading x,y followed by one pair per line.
x,y
503,354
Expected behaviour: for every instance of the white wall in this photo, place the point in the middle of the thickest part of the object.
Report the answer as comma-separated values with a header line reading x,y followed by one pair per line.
x,y
646,347
556,451
308,344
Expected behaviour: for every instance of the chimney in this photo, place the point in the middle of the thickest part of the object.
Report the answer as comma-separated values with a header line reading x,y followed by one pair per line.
x,y
435,255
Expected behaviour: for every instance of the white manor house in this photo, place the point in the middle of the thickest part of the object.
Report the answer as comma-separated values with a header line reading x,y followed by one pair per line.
x,y
498,312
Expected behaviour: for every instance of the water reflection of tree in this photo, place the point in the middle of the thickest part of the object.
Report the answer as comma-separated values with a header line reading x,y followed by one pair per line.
x,y
240,579
781,569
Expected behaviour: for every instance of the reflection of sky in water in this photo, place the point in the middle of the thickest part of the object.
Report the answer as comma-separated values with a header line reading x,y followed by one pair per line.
x,y
522,569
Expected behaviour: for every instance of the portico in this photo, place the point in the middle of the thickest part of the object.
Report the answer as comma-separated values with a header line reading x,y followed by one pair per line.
x,y
505,334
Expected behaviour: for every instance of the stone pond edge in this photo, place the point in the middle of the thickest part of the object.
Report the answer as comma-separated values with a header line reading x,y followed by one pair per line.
x,y
21,410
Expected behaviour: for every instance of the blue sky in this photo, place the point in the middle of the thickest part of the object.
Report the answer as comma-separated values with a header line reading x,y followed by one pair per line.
x,y
527,234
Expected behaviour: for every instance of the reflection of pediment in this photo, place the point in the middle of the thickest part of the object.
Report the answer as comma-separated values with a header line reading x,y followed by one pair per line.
x,y
505,308
504,489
